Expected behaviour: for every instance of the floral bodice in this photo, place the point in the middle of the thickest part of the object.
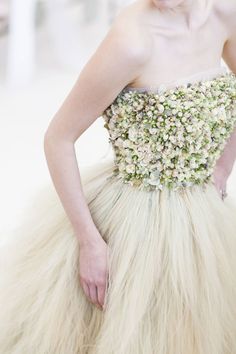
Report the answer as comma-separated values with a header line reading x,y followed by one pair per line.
x,y
172,138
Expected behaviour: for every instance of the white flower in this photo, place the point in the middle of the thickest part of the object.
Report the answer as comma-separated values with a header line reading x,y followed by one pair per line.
x,y
161,108
223,130
165,136
127,144
133,133
154,178
130,168
119,142
193,164
189,128
187,104
168,172
114,134
175,173
154,174
153,131
162,99
173,139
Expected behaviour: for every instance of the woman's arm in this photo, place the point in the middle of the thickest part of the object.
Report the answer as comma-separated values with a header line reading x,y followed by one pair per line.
x,y
116,62
226,161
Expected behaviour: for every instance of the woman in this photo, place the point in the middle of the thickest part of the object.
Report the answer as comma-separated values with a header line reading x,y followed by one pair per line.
x,y
138,255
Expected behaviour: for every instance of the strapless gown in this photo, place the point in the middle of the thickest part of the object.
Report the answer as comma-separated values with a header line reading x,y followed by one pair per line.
x,y
172,239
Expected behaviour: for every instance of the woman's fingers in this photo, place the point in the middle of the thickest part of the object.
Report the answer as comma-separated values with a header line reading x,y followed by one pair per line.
x,y
93,294
96,293
101,290
93,271
85,288
220,178
221,187
90,291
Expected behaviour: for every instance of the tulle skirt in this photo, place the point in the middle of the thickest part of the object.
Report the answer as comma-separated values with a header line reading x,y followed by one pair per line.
x,y
172,273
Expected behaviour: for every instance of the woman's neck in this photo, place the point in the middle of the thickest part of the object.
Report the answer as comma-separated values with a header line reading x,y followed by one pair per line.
x,y
194,12
185,7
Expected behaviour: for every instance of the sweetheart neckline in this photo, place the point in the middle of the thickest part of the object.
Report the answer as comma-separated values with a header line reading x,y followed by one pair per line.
x,y
221,72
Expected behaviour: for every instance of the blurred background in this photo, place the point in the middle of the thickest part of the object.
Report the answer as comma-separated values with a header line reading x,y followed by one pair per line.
x,y
43,46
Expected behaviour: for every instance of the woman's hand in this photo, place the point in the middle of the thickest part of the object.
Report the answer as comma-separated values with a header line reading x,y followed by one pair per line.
x,y
220,176
94,269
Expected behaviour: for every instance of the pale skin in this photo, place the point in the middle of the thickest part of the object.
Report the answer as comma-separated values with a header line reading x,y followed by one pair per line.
x,y
150,42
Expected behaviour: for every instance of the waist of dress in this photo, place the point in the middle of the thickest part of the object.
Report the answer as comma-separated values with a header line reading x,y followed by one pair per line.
x,y
151,179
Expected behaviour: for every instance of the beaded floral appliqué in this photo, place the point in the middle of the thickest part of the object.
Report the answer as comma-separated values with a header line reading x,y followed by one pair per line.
x,y
173,138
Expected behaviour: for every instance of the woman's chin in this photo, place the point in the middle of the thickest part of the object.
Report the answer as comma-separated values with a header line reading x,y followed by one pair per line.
x,y
167,4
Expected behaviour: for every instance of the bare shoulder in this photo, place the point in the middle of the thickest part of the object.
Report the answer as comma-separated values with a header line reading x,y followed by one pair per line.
x,y
226,10
227,13
128,33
